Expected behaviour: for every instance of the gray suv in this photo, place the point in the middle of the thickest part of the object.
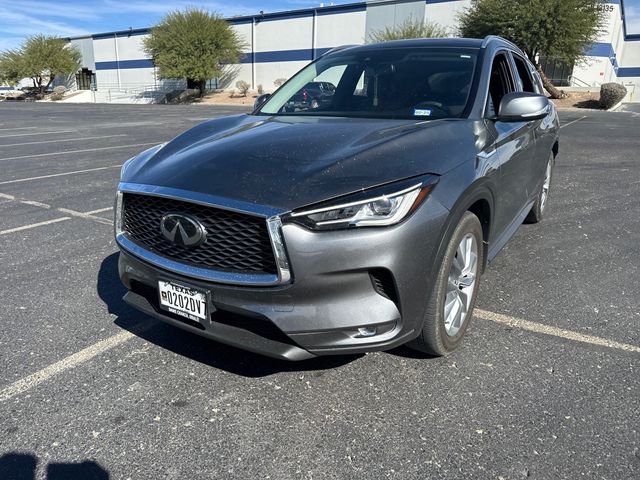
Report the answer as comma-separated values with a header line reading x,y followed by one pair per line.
x,y
360,224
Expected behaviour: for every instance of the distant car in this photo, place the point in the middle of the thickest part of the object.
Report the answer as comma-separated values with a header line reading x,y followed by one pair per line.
x,y
312,96
359,225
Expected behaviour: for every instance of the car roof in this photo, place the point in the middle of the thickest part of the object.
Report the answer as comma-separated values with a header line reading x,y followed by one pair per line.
x,y
472,43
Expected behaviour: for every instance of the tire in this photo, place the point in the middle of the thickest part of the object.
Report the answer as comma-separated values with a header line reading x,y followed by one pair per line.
x,y
441,336
542,200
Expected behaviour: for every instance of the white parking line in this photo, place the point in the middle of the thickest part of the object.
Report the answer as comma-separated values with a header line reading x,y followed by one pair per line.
x,y
5,159
33,225
100,210
18,128
63,140
73,213
575,121
38,133
58,174
63,365
555,331
87,216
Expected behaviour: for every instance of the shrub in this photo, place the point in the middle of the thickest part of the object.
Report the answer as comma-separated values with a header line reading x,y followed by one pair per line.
x,y
410,28
260,89
58,93
243,87
279,81
611,94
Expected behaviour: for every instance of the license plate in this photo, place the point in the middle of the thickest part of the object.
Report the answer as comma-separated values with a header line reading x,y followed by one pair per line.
x,y
182,300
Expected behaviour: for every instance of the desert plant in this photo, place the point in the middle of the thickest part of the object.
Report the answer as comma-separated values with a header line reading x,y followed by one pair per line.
x,y
562,29
279,82
58,93
193,44
243,87
410,28
41,58
611,94
260,89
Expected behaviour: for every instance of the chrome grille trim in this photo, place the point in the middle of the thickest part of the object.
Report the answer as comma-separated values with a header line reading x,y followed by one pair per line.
x,y
269,214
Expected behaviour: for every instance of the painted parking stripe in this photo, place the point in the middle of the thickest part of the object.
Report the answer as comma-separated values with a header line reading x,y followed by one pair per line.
x,y
100,210
38,133
19,128
575,121
35,379
555,331
64,140
74,172
87,216
69,152
73,213
33,225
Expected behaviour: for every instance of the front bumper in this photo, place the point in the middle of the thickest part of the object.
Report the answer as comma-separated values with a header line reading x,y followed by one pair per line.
x,y
332,295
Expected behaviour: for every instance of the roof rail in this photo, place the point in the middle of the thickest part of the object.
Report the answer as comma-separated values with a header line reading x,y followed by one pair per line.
x,y
336,49
494,38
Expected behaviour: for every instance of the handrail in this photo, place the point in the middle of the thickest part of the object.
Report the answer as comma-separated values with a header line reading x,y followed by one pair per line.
x,y
575,82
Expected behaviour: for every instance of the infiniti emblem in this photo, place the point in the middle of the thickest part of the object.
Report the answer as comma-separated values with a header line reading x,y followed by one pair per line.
x,y
182,230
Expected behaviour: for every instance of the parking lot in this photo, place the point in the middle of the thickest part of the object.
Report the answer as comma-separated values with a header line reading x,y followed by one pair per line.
x,y
545,386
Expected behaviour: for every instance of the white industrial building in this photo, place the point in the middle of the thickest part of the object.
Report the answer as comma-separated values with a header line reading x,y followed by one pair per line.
x,y
279,44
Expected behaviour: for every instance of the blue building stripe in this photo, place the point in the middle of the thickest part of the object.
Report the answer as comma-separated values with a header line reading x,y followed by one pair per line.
x,y
601,50
124,64
626,72
121,33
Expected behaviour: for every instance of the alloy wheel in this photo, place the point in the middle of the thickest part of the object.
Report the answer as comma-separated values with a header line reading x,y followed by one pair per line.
x,y
461,284
545,186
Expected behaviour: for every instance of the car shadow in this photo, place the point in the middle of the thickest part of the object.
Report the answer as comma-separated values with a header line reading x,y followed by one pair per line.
x,y
192,346
22,466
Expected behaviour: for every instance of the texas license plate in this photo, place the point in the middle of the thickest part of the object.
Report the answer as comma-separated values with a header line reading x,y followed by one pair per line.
x,y
181,300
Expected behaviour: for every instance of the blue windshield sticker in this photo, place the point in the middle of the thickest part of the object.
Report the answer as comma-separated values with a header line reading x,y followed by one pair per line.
x,y
421,112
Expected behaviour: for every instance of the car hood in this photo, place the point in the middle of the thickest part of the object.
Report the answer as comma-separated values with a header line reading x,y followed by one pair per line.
x,y
289,162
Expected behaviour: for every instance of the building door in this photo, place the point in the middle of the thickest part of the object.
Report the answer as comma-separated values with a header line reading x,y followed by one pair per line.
x,y
85,78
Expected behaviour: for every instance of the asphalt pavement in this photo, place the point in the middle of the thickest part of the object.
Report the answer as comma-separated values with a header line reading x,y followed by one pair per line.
x,y
545,386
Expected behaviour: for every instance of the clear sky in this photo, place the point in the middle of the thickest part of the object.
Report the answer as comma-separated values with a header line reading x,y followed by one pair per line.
x,y
632,16
20,18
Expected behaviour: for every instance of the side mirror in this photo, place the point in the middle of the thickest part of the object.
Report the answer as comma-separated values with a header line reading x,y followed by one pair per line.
x,y
260,100
523,107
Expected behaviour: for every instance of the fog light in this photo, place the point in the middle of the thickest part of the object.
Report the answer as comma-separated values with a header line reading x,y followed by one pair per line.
x,y
367,331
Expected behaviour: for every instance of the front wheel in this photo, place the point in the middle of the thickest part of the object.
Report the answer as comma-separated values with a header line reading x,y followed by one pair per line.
x,y
453,296
537,211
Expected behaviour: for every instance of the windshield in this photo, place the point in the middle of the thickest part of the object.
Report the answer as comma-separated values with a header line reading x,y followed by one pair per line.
x,y
417,82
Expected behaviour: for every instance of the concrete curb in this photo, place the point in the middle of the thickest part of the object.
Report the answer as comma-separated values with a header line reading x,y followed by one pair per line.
x,y
616,106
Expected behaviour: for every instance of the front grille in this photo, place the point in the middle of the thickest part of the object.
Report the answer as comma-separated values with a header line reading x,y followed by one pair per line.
x,y
236,242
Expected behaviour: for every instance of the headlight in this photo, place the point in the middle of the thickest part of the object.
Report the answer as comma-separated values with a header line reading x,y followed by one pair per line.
x,y
377,210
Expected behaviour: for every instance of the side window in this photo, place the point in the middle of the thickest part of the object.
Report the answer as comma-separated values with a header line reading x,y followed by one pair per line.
x,y
524,74
500,83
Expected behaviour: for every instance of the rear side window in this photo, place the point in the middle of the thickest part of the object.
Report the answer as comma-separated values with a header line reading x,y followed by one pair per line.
x,y
500,84
524,74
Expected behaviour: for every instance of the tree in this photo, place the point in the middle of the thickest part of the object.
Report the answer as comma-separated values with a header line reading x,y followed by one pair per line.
x,y
563,29
193,44
410,28
41,58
